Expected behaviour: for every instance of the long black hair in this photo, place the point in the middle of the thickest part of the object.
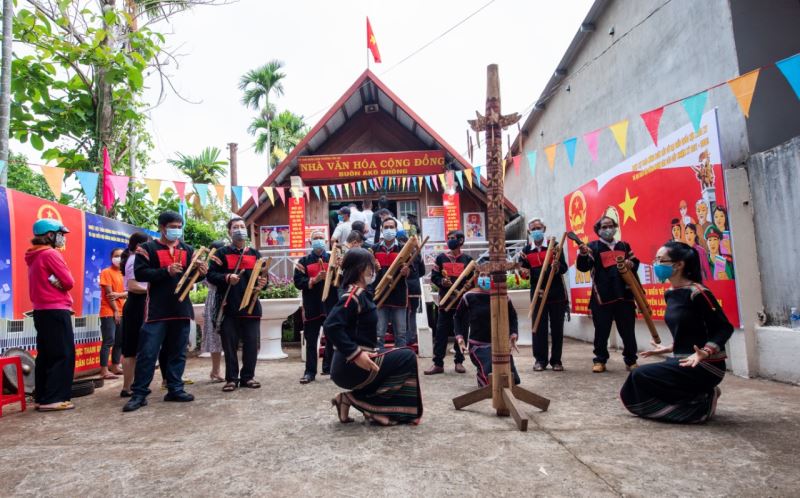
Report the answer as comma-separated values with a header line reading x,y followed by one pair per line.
x,y
355,263
680,251
134,240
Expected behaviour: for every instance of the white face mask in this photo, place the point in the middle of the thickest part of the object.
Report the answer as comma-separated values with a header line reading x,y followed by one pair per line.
x,y
239,234
61,240
116,260
371,279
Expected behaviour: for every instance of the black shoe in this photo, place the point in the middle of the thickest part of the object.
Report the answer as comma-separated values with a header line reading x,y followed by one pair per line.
x,y
179,396
134,404
306,379
125,394
325,372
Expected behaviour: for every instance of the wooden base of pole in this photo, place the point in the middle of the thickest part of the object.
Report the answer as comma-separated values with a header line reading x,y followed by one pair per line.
x,y
512,395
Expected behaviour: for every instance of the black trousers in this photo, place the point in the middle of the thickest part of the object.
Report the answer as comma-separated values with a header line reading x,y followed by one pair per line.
x,y
311,333
244,330
444,327
623,313
55,355
327,356
553,315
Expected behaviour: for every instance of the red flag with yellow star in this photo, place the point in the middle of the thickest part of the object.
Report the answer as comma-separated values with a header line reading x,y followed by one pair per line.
x,y
372,44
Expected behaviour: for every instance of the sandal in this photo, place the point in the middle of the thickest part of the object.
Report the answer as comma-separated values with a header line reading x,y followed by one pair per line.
x,y
558,368
110,376
338,404
229,387
63,406
252,384
216,379
373,420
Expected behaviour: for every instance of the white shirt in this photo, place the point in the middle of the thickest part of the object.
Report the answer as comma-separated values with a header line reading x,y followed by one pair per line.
x,y
367,213
356,215
128,276
342,231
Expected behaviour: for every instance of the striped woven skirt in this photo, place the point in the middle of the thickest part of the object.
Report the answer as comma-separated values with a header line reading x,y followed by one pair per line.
x,y
480,353
669,392
393,391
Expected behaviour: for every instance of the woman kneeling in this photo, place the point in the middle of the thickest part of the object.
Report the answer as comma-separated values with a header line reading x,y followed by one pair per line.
x,y
384,387
682,389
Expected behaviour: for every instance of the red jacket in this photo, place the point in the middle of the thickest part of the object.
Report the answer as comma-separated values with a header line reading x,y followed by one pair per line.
x,y
44,261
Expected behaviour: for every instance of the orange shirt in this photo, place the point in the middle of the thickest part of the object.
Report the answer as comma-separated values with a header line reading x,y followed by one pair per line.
x,y
111,276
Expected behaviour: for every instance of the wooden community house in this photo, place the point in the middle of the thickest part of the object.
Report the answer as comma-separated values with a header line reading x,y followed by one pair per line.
x,y
371,144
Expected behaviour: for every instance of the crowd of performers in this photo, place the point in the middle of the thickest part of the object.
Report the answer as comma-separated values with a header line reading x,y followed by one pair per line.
x,y
142,306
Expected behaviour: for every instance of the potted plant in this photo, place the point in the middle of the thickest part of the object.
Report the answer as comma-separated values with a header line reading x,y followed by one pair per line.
x,y
278,301
519,291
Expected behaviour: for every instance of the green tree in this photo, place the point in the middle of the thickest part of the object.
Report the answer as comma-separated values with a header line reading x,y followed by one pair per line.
x,y
207,168
22,178
257,84
286,130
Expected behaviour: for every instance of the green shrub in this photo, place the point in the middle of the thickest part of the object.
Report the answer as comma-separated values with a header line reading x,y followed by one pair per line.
x,y
511,282
199,295
279,289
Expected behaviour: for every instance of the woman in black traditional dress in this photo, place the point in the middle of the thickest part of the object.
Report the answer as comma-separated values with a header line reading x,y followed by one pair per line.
x,y
384,387
684,388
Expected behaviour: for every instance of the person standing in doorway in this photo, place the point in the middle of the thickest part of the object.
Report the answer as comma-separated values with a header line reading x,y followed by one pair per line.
x,y
49,283
378,217
343,228
611,300
112,288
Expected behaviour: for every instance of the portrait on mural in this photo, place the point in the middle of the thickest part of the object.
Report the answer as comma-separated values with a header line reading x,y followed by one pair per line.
x,y
475,226
274,236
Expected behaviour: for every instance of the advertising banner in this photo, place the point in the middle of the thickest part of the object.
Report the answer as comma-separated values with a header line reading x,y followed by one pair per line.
x,y
297,223
6,289
452,212
673,191
371,165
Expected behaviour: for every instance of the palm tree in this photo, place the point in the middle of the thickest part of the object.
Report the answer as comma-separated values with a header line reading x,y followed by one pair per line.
x,y
281,134
257,84
206,167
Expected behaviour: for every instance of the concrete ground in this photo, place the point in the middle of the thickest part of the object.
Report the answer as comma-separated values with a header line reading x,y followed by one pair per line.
x,y
284,440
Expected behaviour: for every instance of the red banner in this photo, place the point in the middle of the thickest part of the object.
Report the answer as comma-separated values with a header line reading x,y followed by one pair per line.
x,y
297,222
353,166
674,191
452,212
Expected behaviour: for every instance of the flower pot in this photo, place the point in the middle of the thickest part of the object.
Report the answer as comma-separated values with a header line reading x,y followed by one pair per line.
x,y
521,301
274,313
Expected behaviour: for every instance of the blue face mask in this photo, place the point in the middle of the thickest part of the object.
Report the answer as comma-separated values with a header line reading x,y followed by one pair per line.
x,y
173,234
318,245
537,235
389,234
341,218
485,283
663,271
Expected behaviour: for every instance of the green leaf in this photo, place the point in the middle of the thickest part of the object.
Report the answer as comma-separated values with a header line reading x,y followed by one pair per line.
x,y
37,142
110,17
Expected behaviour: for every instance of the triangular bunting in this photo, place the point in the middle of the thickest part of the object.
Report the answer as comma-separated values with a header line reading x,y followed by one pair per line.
x,y
550,153
325,191
339,188
180,188
620,132
428,181
436,182
358,187
316,191
202,193
442,181
120,183
478,173
54,176
154,187
333,190
282,194
651,121
569,144
532,163
364,184
347,189
468,174
790,67
255,195
307,193
743,88
238,192
694,106
460,178
220,192
270,194
591,140
88,181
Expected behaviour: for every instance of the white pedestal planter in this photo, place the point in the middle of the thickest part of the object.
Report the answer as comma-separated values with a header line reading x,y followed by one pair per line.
x,y
521,301
274,313
199,309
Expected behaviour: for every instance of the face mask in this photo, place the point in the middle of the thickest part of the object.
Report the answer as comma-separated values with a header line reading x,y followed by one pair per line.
x,y
371,279
537,235
318,245
116,260
61,240
608,233
173,234
453,244
389,234
239,234
341,218
484,283
663,271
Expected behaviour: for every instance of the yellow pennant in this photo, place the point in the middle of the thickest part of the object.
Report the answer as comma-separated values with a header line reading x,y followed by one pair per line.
x,y
620,131
550,153
271,194
325,191
468,174
347,189
154,188
743,88
54,176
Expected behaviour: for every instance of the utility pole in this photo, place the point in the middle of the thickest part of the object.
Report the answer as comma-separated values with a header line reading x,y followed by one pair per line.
x,y
5,89
232,147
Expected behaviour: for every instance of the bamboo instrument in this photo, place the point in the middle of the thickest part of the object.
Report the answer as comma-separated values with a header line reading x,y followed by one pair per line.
x,y
414,254
638,296
205,254
455,288
263,273
394,268
556,261
251,282
221,310
551,245
333,267
199,252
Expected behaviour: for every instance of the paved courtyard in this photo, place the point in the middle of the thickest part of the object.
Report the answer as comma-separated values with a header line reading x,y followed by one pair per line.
x,y
284,440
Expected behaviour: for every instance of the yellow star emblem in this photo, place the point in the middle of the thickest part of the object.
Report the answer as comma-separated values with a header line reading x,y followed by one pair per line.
x,y
627,207
372,40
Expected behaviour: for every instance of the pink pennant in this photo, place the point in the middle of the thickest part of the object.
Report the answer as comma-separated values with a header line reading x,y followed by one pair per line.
x,y
180,188
120,184
591,139
436,182
516,160
254,193
282,194
339,189
307,192
651,121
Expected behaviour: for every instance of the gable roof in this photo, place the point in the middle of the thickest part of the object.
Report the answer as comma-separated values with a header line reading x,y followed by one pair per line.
x,y
366,90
